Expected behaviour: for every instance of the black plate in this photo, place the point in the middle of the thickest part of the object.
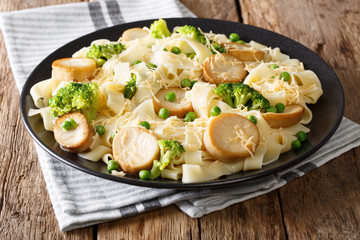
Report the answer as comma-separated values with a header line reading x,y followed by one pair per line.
x,y
327,112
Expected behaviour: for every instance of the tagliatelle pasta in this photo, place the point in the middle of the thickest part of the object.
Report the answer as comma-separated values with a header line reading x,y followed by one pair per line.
x,y
152,65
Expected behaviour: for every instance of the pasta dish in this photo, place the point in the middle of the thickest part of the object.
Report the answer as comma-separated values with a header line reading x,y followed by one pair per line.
x,y
183,104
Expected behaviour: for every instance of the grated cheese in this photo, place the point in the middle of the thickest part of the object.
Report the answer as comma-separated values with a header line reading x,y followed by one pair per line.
x,y
245,141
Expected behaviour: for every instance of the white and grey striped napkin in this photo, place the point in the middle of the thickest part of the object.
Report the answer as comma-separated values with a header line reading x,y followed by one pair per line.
x,y
81,200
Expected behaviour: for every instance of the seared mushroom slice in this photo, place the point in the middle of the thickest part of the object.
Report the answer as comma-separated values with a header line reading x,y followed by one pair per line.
x,y
222,68
230,136
179,107
73,69
244,52
133,33
291,116
135,148
76,139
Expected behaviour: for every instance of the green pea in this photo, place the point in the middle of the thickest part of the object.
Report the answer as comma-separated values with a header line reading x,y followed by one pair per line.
x,y
112,165
190,117
274,66
100,61
252,118
271,109
190,55
152,65
234,37
175,50
66,125
296,144
215,111
285,76
280,107
193,82
100,130
73,123
301,136
170,96
186,83
69,124
241,42
145,124
144,174
136,62
164,113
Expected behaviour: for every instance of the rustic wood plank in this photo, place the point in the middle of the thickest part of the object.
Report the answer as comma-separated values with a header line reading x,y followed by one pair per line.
x,y
326,205
258,218
25,208
165,223
326,202
217,9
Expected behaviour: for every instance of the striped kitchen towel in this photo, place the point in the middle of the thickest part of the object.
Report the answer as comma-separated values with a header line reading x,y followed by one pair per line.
x,y
80,199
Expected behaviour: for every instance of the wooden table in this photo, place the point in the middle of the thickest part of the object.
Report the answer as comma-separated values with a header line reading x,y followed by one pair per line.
x,y
324,204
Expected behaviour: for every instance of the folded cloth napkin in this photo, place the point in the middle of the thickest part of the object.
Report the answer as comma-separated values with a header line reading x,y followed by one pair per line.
x,y
80,199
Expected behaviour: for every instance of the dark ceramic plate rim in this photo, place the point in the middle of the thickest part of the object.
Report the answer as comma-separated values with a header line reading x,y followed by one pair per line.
x,y
236,27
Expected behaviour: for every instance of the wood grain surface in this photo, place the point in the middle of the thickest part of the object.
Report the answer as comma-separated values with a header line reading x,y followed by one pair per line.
x,y
324,204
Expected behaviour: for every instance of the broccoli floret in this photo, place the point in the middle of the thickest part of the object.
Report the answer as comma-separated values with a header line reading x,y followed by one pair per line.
x,y
195,34
159,29
130,88
259,102
225,90
247,96
217,47
192,32
76,97
155,170
169,151
102,53
240,94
